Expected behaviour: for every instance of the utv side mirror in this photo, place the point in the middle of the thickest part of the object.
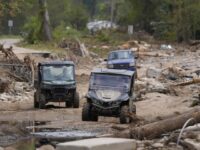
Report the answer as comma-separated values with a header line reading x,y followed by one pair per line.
x,y
105,59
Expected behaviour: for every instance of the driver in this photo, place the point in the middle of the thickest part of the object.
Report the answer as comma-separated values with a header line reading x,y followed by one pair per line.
x,y
47,74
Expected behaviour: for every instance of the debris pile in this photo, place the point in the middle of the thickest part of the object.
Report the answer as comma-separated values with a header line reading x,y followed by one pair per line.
x,y
17,91
22,70
75,46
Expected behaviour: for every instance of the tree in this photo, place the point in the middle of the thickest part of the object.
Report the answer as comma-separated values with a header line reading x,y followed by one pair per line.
x,y
45,21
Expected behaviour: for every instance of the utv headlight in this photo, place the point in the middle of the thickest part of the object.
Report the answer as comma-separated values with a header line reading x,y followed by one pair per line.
x,y
110,66
132,64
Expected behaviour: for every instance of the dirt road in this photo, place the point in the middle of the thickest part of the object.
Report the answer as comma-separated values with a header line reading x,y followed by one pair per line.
x,y
154,106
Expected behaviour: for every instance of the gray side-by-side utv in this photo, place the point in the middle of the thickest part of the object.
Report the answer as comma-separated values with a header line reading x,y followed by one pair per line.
x,y
110,94
56,83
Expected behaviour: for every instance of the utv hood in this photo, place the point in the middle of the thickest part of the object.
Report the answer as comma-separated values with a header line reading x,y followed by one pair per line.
x,y
108,95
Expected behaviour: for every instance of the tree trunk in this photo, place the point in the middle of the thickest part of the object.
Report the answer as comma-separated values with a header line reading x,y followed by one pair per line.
x,y
156,129
45,21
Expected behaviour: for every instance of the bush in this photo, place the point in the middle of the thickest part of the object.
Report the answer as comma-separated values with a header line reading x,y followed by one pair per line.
x,y
63,31
32,28
103,36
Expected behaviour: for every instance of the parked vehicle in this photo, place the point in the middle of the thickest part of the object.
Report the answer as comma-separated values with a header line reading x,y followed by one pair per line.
x,y
110,94
122,59
56,83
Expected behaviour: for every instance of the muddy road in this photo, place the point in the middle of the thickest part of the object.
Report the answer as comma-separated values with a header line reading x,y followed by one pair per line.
x,y
154,105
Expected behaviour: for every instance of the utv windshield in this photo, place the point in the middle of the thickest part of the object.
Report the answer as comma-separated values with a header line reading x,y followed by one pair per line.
x,y
121,55
110,81
58,73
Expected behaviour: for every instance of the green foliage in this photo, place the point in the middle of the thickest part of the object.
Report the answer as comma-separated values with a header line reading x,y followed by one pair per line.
x,y
32,28
103,36
63,31
72,13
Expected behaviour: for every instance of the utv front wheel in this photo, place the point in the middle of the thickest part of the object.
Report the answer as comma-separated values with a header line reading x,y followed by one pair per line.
x,y
88,114
36,104
42,102
123,117
68,104
76,100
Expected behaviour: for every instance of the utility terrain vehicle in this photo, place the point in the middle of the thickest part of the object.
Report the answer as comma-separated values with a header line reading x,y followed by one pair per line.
x,y
56,83
110,94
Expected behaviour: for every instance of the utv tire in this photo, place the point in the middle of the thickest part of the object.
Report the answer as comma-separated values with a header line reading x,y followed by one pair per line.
x,y
76,100
123,116
36,104
42,102
68,104
88,114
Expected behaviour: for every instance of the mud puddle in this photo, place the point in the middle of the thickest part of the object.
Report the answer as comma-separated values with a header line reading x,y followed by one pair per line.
x,y
20,136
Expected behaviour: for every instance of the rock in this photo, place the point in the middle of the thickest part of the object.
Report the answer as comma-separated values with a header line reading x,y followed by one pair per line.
x,y
1,148
139,85
158,145
105,47
99,143
194,144
46,147
153,73
153,85
93,55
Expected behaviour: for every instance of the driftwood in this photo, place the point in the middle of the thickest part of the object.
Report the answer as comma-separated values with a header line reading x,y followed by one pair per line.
x,y
194,81
156,129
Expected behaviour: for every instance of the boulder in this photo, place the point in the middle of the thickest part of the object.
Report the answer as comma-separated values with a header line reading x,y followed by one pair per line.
x,y
153,73
99,144
46,147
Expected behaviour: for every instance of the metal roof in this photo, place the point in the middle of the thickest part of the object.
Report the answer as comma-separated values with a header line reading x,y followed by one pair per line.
x,y
113,71
53,62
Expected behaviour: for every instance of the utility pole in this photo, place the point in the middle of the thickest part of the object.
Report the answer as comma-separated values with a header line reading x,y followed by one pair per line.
x,y
112,3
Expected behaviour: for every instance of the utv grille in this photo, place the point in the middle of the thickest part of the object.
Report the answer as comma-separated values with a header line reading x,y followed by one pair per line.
x,y
59,90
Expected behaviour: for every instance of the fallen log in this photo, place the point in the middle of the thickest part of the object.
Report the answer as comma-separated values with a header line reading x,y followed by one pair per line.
x,y
156,129
194,81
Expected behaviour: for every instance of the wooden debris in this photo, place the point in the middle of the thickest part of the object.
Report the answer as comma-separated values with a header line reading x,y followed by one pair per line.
x,y
193,81
23,70
156,129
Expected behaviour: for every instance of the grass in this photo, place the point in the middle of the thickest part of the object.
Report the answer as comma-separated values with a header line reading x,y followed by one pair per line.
x,y
47,46
93,43
10,37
